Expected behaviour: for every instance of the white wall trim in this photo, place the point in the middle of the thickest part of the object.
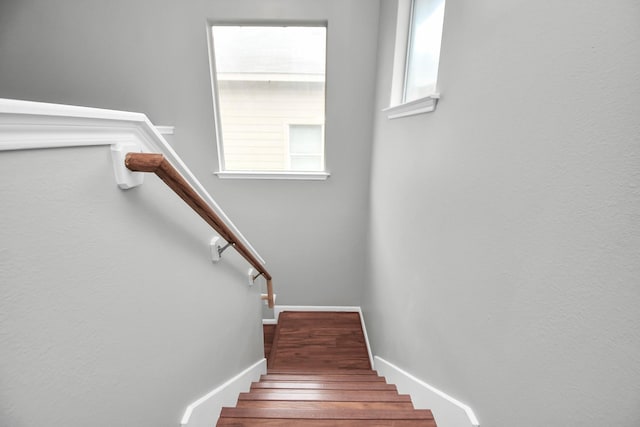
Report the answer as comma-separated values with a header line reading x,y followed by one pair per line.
x,y
166,130
205,411
366,338
280,308
299,176
346,308
419,106
447,411
26,125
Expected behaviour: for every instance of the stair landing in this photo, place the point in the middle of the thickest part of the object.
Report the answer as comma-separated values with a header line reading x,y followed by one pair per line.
x,y
319,341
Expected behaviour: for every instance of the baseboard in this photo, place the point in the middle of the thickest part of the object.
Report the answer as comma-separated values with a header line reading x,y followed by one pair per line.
x,y
280,308
205,411
351,309
447,411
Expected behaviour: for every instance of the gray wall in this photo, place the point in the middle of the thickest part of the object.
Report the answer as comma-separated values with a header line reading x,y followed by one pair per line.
x,y
111,312
151,56
505,236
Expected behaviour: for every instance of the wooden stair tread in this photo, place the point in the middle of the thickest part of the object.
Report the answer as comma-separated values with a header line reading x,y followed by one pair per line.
x,y
330,317
312,340
320,371
319,375
294,404
322,377
342,363
334,385
266,422
331,414
326,395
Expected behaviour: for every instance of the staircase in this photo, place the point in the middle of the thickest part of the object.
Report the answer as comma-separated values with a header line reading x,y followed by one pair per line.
x,y
319,375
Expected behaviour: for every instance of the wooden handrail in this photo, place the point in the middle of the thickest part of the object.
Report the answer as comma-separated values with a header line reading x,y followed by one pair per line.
x,y
156,163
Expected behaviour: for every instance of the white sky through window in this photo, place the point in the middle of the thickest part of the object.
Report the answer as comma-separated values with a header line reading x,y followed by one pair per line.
x,y
291,50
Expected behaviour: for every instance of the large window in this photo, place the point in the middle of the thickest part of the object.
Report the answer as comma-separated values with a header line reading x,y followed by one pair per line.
x,y
417,57
269,97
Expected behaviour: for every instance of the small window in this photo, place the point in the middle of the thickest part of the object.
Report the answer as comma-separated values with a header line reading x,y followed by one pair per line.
x,y
423,50
305,147
265,78
417,57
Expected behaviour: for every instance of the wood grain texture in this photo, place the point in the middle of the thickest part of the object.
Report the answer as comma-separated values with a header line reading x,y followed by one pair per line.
x,y
320,371
266,422
319,376
319,414
321,385
319,341
326,395
322,405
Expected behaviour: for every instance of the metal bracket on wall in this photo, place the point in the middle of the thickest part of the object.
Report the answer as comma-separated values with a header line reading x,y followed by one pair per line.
x,y
221,249
252,276
217,249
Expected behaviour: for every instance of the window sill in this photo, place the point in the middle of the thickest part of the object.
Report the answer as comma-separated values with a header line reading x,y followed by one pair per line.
x,y
419,106
307,176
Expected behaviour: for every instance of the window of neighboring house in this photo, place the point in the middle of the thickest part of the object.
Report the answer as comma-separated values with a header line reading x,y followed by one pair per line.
x,y
265,78
417,56
305,147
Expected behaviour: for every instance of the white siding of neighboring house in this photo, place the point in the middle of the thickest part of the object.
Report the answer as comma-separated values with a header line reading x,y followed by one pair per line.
x,y
256,115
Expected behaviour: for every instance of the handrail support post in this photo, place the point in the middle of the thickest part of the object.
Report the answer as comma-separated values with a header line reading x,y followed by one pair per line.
x,y
270,293
221,249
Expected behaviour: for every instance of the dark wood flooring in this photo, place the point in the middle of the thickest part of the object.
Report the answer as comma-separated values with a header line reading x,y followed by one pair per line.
x,y
319,341
319,376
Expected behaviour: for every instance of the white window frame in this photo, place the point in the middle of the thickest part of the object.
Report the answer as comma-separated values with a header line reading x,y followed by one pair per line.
x,y
397,106
277,175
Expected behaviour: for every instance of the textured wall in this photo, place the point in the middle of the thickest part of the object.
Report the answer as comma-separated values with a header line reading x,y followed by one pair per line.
x,y
151,56
111,311
505,229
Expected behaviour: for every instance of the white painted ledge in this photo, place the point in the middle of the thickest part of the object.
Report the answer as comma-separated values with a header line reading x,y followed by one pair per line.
x,y
447,411
205,411
166,130
299,176
419,106
26,125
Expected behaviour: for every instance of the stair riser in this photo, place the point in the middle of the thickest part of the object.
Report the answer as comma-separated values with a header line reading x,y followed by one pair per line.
x,y
322,414
326,396
323,386
323,405
322,378
257,422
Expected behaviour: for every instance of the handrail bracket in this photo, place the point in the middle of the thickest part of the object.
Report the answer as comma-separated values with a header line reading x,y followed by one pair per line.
x,y
221,249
